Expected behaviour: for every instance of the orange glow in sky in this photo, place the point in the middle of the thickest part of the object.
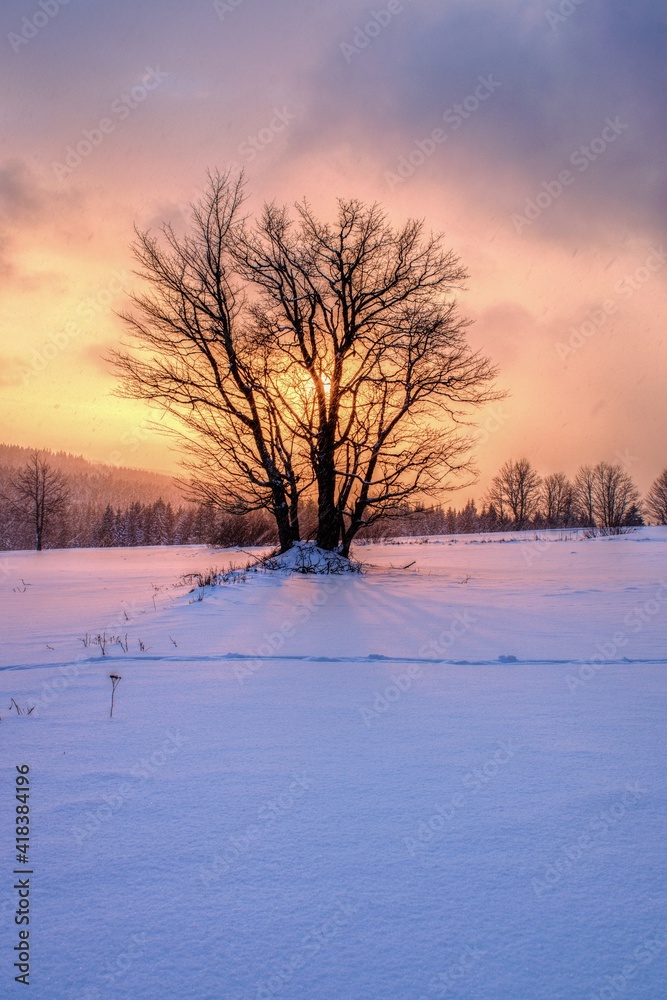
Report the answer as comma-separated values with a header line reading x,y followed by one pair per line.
x,y
536,147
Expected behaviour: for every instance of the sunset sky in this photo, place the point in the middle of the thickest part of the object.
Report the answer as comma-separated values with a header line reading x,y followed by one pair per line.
x,y
532,133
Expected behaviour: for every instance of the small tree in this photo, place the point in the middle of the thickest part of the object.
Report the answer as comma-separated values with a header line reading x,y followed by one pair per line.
x,y
556,500
468,519
634,517
656,499
37,495
105,531
606,496
515,490
583,495
489,520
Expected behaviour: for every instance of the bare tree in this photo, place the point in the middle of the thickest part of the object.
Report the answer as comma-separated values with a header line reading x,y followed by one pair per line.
x,y
556,499
37,495
308,358
515,490
583,495
615,495
605,497
656,499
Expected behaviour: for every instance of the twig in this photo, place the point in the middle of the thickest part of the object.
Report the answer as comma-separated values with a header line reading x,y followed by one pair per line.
x,y
115,681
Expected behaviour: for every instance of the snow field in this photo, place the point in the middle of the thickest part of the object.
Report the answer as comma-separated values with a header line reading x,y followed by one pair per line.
x,y
332,788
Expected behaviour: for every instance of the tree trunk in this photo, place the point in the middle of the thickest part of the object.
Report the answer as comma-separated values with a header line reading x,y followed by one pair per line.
x,y
284,525
328,521
295,529
347,541
355,524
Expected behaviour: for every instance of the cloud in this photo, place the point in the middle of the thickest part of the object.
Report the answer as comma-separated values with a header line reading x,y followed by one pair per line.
x,y
355,119
34,216
19,194
19,204
559,85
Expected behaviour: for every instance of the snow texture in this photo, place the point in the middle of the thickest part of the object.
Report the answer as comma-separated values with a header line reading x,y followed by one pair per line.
x,y
444,777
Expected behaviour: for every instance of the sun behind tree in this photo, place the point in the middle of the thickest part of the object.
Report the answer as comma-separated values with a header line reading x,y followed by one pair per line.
x,y
237,316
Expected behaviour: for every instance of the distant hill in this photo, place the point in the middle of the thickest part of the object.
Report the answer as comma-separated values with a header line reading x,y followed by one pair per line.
x,y
111,506
97,483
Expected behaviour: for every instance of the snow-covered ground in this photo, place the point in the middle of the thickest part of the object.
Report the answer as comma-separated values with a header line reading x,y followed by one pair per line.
x,y
442,778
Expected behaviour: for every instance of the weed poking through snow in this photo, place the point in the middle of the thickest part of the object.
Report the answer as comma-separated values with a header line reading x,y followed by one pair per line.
x,y
215,577
104,641
19,710
115,681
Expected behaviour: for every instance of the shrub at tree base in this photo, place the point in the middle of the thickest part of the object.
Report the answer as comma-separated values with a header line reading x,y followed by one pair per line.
x,y
307,557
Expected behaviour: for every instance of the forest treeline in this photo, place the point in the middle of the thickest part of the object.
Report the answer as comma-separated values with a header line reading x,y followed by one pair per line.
x,y
99,506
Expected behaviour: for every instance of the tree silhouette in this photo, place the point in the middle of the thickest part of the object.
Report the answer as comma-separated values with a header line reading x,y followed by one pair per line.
x,y
606,497
37,494
306,359
656,499
515,490
556,499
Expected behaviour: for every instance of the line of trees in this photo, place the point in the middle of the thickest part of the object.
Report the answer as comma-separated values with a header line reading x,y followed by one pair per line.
x,y
160,524
603,496
39,508
42,507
